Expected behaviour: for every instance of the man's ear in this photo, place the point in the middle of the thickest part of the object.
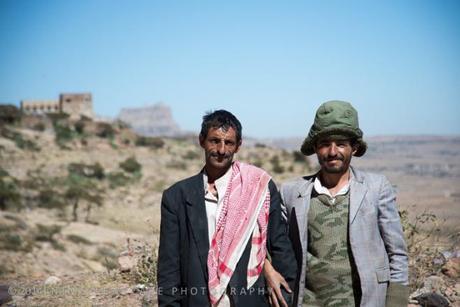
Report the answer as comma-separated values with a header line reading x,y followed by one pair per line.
x,y
201,139
355,149
238,146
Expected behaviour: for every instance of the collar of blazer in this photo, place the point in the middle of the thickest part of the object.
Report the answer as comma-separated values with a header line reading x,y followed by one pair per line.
x,y
358,191
196,217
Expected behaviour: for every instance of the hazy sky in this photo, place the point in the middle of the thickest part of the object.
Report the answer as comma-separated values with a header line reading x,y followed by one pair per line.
x,y
270,63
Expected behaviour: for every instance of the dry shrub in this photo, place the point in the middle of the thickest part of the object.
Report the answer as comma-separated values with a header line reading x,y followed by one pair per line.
x,y
423,244
131,165
276,165
145,271
152,142
9,114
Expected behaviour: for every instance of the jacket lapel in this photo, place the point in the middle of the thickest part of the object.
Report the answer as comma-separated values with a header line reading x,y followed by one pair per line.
x,y
198,223
301,205
357,192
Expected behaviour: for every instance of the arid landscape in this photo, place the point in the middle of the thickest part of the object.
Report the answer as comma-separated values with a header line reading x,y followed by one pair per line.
x,y
80,204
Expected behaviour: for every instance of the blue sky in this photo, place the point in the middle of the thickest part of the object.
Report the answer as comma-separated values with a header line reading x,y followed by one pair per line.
x,y
271,63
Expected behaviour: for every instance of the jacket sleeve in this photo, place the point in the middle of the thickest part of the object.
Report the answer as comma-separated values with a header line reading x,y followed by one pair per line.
x,y
392,234
168,274
278,243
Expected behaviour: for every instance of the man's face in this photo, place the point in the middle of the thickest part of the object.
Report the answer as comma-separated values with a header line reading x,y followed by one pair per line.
x,y
334,155
219,146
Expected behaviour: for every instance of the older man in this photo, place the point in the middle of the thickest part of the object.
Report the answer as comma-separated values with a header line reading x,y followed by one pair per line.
x,y
217,227
343,222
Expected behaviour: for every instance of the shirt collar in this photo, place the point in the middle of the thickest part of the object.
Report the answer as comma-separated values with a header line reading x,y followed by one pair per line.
x,y
220,183
320,189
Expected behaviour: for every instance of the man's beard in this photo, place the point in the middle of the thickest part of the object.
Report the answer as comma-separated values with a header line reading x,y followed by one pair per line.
x,y
338,169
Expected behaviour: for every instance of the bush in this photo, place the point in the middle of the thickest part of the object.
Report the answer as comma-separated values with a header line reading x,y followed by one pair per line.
x,y
121,124
20,224
421,238
299,156
191,155
145,271
276,166
80,126
118,179
39,127
46,233
107,256
81,188
9,114
131,165
10,198
57,117
87,170
25,144
18,139
257,162
50,199
14,242
3,173
63,134
105,130
152,142
11,236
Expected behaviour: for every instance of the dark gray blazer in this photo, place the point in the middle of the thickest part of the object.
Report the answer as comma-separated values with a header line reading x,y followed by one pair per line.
x,y
184,246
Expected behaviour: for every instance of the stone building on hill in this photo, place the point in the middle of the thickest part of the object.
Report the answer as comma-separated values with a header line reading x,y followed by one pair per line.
x,y
39,106
77,105
74,104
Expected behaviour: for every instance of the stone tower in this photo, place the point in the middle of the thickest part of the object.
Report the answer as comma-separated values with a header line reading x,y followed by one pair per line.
x,y
76,104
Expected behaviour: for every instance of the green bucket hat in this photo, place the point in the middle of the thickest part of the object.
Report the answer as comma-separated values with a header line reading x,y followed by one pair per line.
x,y
335,118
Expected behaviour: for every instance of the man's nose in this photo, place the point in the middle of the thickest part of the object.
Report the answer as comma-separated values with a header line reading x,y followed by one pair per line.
x,y
221,148
333,150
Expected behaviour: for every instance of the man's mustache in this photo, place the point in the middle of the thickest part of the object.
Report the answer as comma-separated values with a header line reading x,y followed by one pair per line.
x,y
217,155
333,158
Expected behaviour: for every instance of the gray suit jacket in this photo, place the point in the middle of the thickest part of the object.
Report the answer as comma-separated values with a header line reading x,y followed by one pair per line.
x,y
375,233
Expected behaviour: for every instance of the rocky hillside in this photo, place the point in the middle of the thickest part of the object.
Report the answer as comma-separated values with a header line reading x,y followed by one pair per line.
x,y
80,203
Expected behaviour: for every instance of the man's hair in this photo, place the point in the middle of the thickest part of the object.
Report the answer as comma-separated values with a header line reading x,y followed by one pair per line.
x,y
220,119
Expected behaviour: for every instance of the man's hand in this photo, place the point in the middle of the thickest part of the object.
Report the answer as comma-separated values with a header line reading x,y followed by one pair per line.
x,y
274,283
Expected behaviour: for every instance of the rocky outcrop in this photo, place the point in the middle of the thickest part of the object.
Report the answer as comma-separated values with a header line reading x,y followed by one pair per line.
x,y
155,120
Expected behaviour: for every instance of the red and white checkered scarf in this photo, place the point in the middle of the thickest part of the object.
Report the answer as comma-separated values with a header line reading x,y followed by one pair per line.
x,y
244,213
